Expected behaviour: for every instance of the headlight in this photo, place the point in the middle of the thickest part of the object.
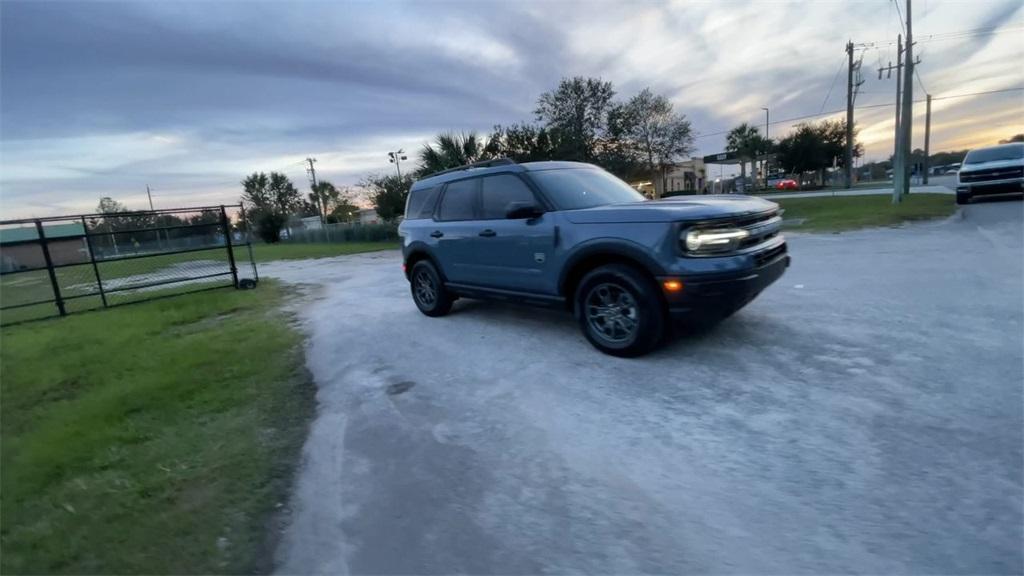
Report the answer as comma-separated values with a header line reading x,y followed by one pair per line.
x,y
716,240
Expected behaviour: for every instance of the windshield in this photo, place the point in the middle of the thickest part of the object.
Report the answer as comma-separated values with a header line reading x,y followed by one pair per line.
x,y
574,188
996,154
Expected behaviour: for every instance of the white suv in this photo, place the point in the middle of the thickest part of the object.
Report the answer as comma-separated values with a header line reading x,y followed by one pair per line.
x,y
994,170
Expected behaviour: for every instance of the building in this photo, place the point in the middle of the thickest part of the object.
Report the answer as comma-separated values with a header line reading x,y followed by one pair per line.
x,y
311,223
686,177
369,216
20,248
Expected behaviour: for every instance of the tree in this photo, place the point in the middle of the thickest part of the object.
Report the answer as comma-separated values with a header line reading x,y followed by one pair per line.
x,y
577,111
523,143
323,196
451,150
746,141
283,194
388,194
1014,138
255,193
270,201
813,147
343,211
658,136
108,205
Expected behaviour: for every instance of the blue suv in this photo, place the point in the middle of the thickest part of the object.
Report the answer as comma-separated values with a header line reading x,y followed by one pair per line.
x,y
570,235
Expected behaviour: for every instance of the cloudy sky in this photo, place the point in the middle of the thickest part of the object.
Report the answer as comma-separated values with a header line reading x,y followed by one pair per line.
x,y
103,98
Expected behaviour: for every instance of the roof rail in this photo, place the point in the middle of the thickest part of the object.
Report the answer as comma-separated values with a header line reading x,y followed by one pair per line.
x,y
482,164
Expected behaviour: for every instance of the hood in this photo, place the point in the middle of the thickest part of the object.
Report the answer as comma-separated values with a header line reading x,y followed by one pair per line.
x,y
974,167
675,209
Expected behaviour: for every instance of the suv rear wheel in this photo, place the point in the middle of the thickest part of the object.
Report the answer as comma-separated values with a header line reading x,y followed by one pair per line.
x,y
620,310
428,291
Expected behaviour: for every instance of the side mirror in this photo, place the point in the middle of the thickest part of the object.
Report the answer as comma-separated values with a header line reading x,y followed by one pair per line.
x,y
520,210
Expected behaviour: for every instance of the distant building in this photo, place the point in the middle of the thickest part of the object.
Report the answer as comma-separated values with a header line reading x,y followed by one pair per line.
x,y
369,216
20,248
311,223
686,177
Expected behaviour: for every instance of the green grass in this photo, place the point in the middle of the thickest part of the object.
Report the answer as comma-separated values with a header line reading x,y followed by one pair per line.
x,y
153,438
293,251
838,213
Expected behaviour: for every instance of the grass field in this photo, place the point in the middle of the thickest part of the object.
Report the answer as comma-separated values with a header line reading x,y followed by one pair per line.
x,y
154,438
839,213
292,251
80,280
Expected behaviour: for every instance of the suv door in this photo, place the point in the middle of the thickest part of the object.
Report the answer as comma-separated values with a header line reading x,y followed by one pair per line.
x,y
510,253
454,226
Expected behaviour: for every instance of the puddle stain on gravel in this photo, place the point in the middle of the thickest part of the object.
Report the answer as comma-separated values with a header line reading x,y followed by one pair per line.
x,y
399,387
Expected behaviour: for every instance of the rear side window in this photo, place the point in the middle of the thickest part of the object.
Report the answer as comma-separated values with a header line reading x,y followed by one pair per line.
x,y
501,192
421,203
459,201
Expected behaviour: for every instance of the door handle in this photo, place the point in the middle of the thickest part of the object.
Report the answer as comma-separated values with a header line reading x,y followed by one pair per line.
x,y
436,234
488,233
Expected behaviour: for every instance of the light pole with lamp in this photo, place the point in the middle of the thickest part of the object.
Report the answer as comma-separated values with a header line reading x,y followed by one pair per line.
x,y
764,166
396,159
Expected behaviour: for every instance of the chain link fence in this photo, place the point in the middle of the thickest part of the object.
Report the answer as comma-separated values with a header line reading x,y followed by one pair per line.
x,y
59,265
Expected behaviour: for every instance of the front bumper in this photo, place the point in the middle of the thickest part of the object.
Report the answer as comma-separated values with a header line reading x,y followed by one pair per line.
x,y
717,297
985,188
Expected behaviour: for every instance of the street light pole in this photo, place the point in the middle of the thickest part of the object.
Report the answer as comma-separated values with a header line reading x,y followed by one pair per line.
x,y
764,165
396,158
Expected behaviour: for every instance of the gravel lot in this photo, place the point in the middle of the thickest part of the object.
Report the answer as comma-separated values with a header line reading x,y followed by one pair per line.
x,y
863,415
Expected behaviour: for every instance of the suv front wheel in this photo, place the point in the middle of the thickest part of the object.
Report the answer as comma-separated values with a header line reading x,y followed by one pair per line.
x,y
428,291
620,310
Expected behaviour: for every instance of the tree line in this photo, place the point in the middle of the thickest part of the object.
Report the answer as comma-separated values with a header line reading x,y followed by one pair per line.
x,y
582,119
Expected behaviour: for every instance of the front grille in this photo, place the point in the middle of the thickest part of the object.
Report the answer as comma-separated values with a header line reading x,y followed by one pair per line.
x,y
762,227
769,255
992,174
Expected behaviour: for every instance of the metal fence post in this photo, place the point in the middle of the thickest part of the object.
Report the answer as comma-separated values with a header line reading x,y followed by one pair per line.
x,y
92,258
248,243
49,268
227,240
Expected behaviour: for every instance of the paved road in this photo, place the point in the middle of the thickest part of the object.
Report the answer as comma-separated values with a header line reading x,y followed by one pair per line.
x,y
863,415
937,185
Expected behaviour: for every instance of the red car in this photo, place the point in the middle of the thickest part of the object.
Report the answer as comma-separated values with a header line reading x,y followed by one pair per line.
x,y
787,184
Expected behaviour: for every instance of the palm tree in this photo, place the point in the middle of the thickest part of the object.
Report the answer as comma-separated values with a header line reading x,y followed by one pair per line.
x,y
450,150
746,141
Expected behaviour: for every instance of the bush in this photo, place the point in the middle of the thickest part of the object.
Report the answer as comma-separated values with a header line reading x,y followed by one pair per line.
x,y
268,226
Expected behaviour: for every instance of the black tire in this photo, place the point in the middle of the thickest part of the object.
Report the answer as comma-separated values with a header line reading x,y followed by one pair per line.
x,y
620,310
962,199
428,291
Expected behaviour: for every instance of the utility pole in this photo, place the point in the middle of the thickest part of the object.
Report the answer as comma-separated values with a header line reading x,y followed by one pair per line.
x,y
927,136
907,114
897,182
848,164
149,195
320,207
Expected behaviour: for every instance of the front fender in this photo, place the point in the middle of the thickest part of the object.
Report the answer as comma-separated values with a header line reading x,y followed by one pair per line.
x,y
609,246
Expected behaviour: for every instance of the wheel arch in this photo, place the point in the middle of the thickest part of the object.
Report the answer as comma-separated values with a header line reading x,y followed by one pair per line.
x,y
416,252
599,253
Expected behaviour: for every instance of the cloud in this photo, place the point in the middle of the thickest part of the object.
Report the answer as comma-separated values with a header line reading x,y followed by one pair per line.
x,y
102,98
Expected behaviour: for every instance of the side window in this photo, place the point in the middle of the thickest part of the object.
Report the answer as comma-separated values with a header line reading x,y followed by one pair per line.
x,y
500,192
459,201
421,202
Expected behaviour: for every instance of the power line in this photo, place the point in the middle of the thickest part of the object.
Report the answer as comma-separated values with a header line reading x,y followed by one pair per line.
x,y
834,78
869,107
903,25
946,36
